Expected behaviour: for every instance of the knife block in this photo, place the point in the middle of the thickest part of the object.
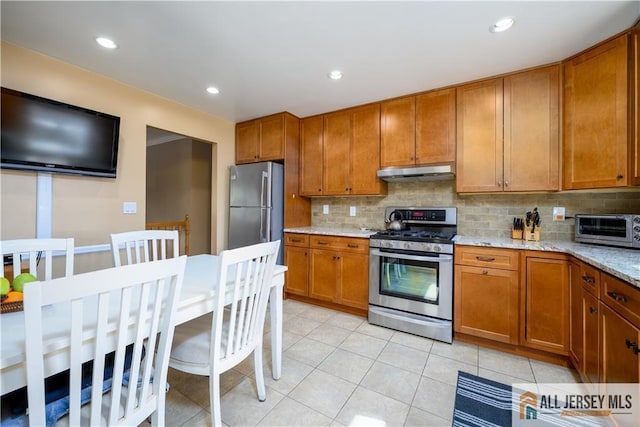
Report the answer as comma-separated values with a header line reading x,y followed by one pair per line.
x,y
516,234
531,236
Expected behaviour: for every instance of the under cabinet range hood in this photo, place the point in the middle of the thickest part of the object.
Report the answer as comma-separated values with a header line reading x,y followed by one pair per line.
x,y
419,173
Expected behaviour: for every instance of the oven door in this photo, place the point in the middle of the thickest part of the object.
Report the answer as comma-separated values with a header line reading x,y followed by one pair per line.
x,y
416,282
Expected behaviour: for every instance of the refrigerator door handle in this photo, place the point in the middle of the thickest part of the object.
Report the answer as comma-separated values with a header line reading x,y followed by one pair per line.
x,y
263,187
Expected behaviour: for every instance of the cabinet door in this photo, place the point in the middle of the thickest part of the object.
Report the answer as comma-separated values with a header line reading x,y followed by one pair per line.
x,y
354,280
398,132
365,151
576,318
272,138
247,142
591,347
311,156
323,274
479,137
436,127
619,360
486,303
546,302
595,117
337,137
635,143
531,130
296,277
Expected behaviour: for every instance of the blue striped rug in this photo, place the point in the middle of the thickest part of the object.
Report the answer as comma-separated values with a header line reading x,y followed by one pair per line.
x,y
481,402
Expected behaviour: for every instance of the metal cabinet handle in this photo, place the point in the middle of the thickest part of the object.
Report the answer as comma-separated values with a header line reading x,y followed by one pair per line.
x,y
618,297
353,245
323,243
485,272
619,176
633,345
593,310
485,258
499,183
589,279
296,240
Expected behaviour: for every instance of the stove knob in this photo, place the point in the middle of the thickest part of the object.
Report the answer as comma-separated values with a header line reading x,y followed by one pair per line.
x,y
437,248
636,228
407,245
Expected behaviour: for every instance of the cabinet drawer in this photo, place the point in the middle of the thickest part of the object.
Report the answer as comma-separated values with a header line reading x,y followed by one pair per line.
x,y
349,244
296,239
590,278
506,259
622,297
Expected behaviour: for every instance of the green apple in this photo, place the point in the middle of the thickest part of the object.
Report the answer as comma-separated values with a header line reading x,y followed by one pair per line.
x,y
21,279
4,286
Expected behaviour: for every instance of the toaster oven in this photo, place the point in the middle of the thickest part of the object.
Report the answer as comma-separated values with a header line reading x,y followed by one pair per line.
x,y
612,230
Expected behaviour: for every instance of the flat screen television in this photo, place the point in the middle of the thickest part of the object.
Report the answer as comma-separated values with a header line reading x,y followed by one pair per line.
x,y
40,134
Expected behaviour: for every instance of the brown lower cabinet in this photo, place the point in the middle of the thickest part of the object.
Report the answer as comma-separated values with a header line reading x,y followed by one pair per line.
x,y
486,292
620,340
328,270
605,326
545,301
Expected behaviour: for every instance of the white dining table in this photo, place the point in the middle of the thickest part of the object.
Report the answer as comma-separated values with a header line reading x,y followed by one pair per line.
x,y
196,299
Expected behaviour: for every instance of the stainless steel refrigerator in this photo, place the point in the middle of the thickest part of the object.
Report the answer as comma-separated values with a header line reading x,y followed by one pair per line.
x,y
256,204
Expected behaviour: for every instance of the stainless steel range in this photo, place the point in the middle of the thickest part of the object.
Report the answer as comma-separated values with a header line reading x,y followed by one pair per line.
x,y
411,272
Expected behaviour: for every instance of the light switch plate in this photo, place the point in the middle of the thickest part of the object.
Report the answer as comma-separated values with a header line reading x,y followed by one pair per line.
x,y
325,209
352,211
129,207
558,214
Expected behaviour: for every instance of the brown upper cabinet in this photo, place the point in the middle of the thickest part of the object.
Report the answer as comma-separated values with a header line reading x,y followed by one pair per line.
x,y
263,139
352,153
596,117
341,153
418,130
311,149
508,133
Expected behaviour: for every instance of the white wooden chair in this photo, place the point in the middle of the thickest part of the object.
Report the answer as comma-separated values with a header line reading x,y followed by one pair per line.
x,y
144,246
107,310
35,252
215,343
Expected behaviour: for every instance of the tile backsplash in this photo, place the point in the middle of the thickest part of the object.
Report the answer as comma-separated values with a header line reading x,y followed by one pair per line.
x,y
479,215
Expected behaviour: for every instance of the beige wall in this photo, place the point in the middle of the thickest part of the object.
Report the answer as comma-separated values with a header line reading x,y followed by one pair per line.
x,y
86,208
480,215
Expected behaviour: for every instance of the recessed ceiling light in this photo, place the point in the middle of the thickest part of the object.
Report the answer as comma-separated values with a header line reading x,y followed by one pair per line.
x,y
502,24
335,75
213,90
107,43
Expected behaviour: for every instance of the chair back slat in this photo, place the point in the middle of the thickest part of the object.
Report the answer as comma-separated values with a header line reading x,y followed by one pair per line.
x,y
144,246
32,253
120,306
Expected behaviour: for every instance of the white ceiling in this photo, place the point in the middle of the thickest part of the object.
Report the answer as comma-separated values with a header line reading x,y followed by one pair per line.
x,y
267,57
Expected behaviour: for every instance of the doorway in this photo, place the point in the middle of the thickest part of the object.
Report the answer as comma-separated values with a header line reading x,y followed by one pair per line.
x,y
179,181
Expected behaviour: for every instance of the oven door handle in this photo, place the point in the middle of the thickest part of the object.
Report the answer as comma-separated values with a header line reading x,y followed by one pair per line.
x,y
441,258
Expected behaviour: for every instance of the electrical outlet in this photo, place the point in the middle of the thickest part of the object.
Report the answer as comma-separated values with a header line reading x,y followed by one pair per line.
x,y
325,209
352,211
558,214
129,207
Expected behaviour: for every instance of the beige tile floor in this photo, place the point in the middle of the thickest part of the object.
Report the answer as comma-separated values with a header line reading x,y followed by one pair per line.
x,y
338,370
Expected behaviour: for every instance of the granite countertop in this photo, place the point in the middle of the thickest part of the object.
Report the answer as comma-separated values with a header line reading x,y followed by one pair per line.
x,y
619,262
364,233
